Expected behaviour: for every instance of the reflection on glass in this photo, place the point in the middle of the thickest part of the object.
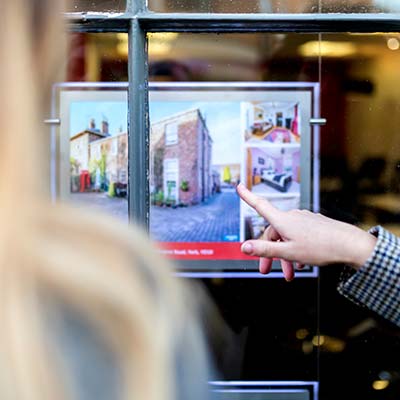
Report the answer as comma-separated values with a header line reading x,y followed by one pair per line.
x,y
97,5
360,175
233,6
356,6
98,57
276,6
230,57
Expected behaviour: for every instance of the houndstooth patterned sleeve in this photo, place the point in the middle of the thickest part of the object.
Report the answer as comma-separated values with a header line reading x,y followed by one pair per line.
x,y
376,284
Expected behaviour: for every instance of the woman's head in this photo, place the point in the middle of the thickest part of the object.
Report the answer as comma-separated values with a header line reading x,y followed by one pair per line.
x,y
96,268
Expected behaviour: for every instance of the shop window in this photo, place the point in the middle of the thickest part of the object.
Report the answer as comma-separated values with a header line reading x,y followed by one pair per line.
x,y
357,76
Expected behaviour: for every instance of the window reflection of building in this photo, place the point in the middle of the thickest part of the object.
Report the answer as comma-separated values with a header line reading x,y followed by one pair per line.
x,y
98,5
275,6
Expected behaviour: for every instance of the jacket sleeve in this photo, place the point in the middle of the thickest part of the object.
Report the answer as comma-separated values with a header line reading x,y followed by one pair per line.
x,y
376,284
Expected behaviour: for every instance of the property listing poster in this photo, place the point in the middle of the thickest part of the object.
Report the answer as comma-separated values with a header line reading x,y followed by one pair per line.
x,y
202,144
199,152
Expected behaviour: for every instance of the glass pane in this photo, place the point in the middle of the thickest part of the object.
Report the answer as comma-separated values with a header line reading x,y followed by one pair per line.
x,y
98,5
229,57
92,163
360,185
275,6
98,57
274,345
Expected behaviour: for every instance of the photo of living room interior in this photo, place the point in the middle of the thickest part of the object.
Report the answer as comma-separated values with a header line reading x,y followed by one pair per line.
x,y
276,122
273,170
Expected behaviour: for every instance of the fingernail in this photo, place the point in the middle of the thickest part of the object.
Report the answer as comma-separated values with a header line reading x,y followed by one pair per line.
x,y
247,247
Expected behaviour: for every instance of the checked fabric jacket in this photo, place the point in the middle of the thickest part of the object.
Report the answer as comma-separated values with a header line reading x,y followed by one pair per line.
x,y
376,284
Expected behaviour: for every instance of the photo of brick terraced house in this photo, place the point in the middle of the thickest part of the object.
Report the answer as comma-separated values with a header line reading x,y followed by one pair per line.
x,y
79,143
180,148
115,149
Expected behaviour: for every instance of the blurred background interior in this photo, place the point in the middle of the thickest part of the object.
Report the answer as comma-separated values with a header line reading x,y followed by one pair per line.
x,y
275,324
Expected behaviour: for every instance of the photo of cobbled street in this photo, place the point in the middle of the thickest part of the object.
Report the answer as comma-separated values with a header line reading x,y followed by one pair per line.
x,y
194,164
215,220
194,173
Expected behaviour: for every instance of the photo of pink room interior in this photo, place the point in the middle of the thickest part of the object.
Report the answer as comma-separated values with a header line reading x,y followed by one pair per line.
x,y
272,122
274,170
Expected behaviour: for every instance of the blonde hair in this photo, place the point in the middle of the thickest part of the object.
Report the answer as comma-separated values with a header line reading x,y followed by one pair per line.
x,y
107,273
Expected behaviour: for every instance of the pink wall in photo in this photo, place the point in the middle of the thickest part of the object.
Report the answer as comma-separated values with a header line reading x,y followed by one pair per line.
x,y
256,155
278,164
296,166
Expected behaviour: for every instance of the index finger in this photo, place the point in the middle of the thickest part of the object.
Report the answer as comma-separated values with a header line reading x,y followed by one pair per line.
x,y
262,206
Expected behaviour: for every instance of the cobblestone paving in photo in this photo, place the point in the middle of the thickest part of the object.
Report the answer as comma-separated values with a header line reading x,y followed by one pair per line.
x,y
212,221
117,207
215,220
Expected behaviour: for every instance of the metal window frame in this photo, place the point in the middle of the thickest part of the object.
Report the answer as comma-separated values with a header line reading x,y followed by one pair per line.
x,y
138,20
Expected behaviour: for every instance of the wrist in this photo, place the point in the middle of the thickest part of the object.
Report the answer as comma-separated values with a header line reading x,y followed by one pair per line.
x,y
360,247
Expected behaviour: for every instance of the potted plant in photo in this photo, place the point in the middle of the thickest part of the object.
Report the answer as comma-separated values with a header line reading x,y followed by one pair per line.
x,y
226,175
111,189
74,170
184,186
159,198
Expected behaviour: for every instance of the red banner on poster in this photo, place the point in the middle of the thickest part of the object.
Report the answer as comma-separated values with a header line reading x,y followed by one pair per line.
x,y
203,251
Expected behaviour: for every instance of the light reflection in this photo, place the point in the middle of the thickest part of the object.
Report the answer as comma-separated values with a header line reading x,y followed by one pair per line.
x,y
380,385
318,340
393,44
325,343
302,333
325,48
160,43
